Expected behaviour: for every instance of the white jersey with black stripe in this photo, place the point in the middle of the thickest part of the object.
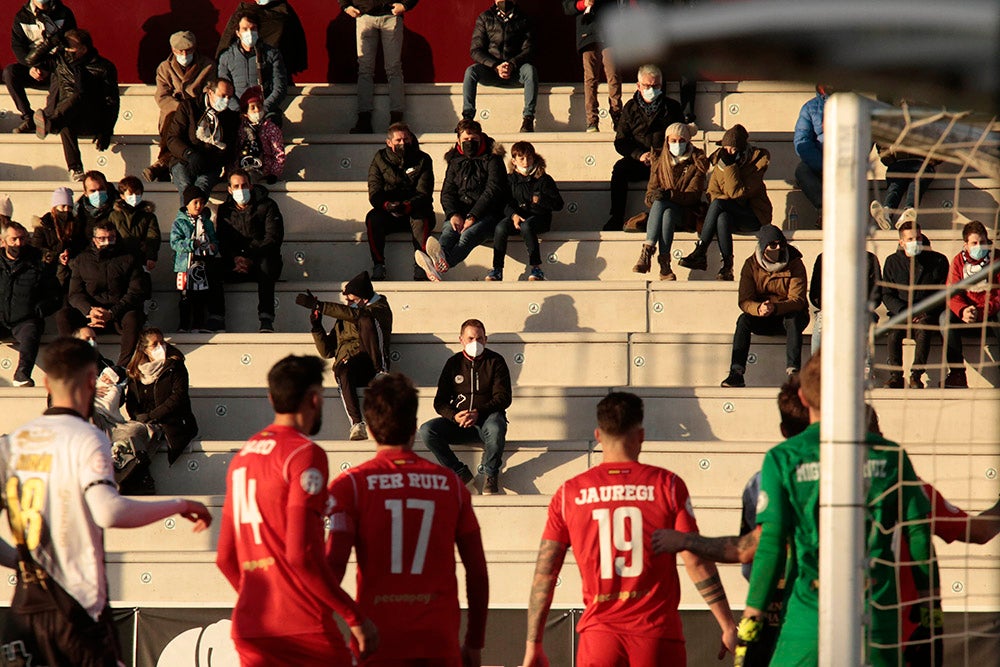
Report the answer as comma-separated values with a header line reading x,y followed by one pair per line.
x,y
46,467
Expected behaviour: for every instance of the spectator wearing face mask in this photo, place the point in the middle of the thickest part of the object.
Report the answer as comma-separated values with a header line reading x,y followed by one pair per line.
x,y
83,96
105,291
96,202
60,235
674,196
772,296
534,196
641,127
35,23
203,137
196,250
280,27
739,202
180,77
135,221
473,196
973,310
401,192
911,274
250,62
262,143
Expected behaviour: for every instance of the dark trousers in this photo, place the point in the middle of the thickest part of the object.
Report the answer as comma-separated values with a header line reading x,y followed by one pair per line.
x,y
351,373
626,170
70,121
724,217
28,334
953,336
531,227
456,246
128,324
17,78
265,271
903,185
200,309
440,433
811,183
894,347
381,223
790,325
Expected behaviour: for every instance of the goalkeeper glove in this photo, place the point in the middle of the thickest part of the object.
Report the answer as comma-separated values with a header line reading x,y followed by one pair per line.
x,y
747,632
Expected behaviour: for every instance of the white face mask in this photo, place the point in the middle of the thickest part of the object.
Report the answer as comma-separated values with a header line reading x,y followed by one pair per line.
x,y
220,104
241,196
255,117
249,38
678,148
525,171
184,59
912,248
650,94
133,199
263,2
474,349
157,353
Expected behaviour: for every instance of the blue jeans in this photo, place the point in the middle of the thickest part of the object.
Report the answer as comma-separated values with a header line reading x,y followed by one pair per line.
x,y
527,77
531,227
664,217
900,179
458,245
724,217
182,175
440,433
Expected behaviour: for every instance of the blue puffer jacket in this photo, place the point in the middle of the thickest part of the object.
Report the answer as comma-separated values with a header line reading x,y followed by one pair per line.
x,y
182,236
809,133
243,70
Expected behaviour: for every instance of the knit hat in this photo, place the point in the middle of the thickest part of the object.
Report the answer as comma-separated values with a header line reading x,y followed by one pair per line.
x,y
736,137
251,93
6,206
62,197
183,40
769,234
682,130
360,286
193,192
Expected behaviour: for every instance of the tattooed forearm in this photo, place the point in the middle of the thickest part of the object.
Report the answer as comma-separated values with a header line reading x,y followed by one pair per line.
x,y
551,555
716,549
711,589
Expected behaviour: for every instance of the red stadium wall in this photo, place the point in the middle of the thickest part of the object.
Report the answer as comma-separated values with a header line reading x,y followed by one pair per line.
x,y
133,34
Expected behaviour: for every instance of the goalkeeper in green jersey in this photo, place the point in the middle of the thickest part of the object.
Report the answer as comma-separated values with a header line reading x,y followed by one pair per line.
x,y
788,511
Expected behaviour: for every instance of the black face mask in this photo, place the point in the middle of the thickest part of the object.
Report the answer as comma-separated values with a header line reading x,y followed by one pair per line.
x,y
470,147
504,6
401,150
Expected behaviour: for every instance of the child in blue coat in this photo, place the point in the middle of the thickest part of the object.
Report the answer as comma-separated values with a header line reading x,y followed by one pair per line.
x,y
196,248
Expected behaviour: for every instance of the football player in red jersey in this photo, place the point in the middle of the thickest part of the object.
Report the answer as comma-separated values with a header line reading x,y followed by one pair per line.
x,y
404,516
271,538
608,515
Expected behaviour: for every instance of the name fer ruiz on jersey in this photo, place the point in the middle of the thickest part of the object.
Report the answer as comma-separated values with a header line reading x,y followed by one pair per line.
x,y
415,480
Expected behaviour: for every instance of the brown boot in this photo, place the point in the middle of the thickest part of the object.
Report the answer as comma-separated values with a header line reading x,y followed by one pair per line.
x,y
645,259
726,272
665,272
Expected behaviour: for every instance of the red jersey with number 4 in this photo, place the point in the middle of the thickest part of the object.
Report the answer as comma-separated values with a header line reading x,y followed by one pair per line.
x,y
608,515
404,515
277,472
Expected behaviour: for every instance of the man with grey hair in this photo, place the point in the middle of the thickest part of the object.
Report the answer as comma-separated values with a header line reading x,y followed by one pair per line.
x,y
644,119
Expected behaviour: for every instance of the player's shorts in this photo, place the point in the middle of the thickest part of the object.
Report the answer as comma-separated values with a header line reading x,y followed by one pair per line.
x,y
796,651
293,651
608,649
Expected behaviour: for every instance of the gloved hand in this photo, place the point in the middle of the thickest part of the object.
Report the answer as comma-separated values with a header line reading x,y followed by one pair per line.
x,y
307,300
195,160
747,632
102,141
925,641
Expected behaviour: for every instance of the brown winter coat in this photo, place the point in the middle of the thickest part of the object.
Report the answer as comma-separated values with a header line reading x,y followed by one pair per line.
x,y
684,181
743,181
785,288
173,80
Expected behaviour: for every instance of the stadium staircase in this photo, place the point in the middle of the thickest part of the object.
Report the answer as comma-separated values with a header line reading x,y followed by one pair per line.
x,y
592,326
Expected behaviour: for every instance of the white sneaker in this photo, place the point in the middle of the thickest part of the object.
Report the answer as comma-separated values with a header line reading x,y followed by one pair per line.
x,y
424,261
436,254
359,431
878,213
908,215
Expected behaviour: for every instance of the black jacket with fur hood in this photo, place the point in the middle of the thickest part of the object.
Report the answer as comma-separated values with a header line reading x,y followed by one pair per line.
x,y
475,185
138,228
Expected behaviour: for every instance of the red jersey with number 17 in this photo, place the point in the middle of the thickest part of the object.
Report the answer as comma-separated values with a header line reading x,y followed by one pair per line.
x,y
608,515
277,470
405,515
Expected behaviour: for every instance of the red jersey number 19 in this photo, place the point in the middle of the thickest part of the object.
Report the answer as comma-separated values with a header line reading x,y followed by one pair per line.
x,y
245,510
611,529
395,508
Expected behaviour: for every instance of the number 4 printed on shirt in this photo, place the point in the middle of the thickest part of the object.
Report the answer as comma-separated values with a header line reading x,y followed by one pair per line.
x,y
611,528
245,510
395,508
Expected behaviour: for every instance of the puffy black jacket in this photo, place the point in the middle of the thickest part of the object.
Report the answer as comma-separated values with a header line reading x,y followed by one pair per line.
x,y
108,279
376,7
930,274
536,195
402,179
167,402
87,88
182,136
475,185
638,131
45,237
280,27
497,39
138,228
481,384
253,232
33,26
27,289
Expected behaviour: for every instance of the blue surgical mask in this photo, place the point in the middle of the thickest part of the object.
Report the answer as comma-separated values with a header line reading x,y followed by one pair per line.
x,y
650,94
220,104
98,199
912,248
678,148
979,252
263,2
184,59
249,38
133,199
241,196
